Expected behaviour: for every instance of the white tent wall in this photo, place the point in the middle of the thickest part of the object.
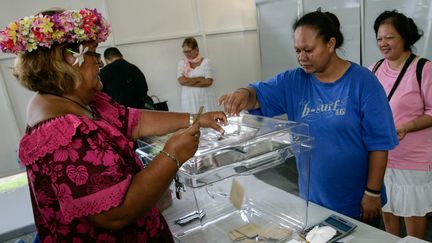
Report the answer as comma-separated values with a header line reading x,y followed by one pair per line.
x,y
9,132
225,31
419,10
275,19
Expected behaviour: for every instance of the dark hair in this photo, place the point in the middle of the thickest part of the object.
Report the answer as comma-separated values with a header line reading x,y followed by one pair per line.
x,y
112,52
404,26
326,23
190,42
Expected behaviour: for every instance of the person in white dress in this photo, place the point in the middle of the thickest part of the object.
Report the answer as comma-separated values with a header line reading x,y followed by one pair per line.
x,y
195,75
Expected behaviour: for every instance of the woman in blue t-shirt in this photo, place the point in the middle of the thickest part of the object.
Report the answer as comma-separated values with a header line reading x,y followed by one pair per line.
x,y
347,112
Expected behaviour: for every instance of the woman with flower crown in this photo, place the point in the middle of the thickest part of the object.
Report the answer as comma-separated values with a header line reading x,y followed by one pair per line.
x,y
195,75
86,183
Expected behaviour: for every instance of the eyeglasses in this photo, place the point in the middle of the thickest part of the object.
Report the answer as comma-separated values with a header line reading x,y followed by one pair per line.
x,y
188,51
94,54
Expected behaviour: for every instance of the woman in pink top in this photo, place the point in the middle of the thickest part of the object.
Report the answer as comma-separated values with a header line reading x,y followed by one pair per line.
x,y
86,183
408,177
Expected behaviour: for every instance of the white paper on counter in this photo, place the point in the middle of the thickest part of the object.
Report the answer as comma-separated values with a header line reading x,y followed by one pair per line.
x,y
411,239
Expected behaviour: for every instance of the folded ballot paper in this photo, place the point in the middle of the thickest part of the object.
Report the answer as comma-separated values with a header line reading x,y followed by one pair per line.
x,y
320,234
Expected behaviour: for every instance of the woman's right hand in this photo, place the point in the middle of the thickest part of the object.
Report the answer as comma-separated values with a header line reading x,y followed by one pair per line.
x,y
184,143
235,102
401,132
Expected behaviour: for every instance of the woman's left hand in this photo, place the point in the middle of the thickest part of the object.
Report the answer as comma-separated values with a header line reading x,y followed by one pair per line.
x,y
370,207
214,120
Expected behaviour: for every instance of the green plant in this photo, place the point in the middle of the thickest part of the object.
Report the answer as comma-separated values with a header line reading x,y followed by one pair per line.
x,y
13,182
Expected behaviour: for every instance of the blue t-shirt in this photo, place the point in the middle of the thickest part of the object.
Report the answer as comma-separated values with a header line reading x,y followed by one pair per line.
x,y
347,118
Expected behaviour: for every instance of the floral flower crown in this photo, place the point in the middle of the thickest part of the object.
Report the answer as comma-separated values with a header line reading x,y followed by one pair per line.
x,y
70,26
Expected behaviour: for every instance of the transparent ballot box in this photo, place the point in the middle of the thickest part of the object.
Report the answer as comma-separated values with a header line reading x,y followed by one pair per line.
x,y
243,184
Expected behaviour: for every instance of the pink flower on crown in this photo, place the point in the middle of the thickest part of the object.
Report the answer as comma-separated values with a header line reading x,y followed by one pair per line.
x,y
7,44
8,37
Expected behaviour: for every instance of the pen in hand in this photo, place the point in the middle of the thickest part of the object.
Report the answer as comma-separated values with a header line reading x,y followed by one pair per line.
x,y
198,114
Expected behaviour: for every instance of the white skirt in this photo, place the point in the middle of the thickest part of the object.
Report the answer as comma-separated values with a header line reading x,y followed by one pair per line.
x,y
194,97
409,192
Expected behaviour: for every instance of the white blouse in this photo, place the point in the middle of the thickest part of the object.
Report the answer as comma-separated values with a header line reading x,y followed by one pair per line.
x,y
194,97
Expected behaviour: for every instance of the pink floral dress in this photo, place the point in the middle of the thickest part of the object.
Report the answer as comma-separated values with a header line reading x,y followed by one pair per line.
x,y
79,166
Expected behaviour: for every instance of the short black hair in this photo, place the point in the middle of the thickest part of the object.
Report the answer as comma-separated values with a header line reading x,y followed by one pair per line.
x,y
405,26
112,52
326,23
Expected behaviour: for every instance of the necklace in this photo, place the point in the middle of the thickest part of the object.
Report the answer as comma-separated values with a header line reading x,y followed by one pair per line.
x,y
87,108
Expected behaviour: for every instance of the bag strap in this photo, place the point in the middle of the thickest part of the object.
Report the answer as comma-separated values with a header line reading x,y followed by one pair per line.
x,y
155,97
401,74
377,65
420,64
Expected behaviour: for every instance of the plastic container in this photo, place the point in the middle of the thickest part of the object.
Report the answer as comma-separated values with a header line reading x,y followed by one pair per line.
x,y
264,156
